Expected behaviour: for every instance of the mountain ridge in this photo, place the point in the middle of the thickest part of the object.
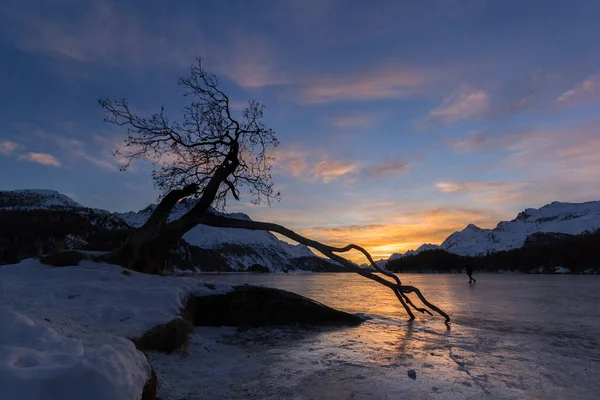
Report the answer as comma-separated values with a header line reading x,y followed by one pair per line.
x,y
553,218
203,247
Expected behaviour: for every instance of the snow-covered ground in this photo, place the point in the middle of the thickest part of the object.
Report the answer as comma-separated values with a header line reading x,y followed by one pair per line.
x,y
64,336
64,331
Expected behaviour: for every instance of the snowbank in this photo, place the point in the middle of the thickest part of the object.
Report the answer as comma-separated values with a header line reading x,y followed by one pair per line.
x,y
38,363
65,330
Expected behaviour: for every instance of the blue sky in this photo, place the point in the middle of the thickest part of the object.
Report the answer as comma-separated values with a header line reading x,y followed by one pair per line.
x,y
400,122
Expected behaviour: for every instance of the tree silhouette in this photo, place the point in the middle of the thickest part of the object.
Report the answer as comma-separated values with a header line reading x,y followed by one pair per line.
x,y
212,156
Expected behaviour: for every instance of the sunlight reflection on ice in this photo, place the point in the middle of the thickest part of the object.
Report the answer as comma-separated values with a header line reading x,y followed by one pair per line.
x,y
511,337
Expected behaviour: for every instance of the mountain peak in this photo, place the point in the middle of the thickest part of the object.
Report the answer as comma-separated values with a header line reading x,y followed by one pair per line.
x,y
35,199
473,227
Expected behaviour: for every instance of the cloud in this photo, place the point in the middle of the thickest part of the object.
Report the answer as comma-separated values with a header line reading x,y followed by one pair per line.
x,y
78,149
485,192
352,121
248,61
329,170
388,167
474,140
463,187
7,147
375,83
99,152
585,91
110,33
99,33
484,139
557,162
313,166
40,158
465,103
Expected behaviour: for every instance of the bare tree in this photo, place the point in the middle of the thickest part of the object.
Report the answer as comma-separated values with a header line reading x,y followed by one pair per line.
x,y
212,156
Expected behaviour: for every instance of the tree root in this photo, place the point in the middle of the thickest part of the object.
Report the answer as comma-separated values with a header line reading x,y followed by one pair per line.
x,y
401,291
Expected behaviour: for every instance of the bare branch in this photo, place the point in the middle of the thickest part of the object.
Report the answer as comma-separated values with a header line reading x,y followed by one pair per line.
x,y
207,138
400,290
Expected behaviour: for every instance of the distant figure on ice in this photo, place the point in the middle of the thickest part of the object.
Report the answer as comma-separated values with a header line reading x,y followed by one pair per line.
x,y
470,273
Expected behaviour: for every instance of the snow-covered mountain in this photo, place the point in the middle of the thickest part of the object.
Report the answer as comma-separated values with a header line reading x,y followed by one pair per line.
x,y
210,237
396,256
556,217
35,199
51,200
35,222
242,248
552,220
421,248
48,219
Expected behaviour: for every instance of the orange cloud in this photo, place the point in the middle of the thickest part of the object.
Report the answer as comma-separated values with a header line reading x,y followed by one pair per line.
x,y
313,166
40,158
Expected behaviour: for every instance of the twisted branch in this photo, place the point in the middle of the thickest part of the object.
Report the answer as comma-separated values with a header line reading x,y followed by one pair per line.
x,y
401,291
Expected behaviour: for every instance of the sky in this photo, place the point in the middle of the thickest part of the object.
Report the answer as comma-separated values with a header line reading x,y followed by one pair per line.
x,y
400,122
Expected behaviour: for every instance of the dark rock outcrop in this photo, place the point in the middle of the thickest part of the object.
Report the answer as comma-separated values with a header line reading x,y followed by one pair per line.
x,y
259,306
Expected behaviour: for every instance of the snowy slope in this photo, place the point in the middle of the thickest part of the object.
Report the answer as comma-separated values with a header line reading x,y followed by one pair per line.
x,y
65,331
264,248
556,217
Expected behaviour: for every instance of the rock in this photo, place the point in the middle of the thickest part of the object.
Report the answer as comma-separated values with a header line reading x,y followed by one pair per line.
x,y
165,338
252,306
412,374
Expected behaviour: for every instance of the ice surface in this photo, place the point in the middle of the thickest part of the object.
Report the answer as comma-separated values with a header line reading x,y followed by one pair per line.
x,y
512,337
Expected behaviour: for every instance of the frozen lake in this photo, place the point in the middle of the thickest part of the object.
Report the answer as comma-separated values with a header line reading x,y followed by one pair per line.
x,y
511,336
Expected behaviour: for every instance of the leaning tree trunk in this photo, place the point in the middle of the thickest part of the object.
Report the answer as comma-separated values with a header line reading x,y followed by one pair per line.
x,y
146,248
